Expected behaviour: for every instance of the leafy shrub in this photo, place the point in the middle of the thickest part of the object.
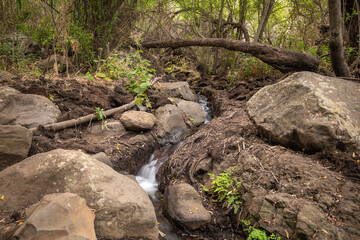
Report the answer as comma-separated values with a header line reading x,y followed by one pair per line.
x,y
12,58
225,188
132,67
257,234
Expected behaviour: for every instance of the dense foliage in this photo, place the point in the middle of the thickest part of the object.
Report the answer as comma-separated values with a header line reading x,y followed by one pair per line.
x,y
80,31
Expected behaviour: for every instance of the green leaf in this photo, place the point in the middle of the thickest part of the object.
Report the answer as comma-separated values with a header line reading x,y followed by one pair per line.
x,y
101,75
139,100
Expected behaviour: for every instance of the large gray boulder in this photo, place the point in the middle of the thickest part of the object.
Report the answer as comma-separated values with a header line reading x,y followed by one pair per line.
x,y
15,143
183,204
170,126
123,209
28,110
138,120
193,110
58,216
309,111
177,90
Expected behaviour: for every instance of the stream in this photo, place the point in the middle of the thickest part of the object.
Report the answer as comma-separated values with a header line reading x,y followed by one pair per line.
x,y
146,178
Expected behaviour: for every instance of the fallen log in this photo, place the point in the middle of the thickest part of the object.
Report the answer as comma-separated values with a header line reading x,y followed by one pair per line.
x,y
282,59
75,122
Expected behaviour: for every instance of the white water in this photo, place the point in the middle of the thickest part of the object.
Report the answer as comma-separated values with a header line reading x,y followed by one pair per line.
x,y
146,177
204,102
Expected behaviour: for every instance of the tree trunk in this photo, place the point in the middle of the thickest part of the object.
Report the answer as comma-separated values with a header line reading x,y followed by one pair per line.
x,y
337,52
281,59
265,15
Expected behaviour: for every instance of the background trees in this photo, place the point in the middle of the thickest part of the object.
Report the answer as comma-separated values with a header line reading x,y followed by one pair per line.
x,y
82,31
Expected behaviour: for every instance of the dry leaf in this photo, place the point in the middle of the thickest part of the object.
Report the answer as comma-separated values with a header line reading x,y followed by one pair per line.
x,y
2,197
287,234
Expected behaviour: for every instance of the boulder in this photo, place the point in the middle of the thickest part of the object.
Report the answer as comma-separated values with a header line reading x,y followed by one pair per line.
x,y
123,209
112,129
171,126
183,204
58,216
25,44
15,143
310,112
102,157
177,90
193,110
28,110
138,120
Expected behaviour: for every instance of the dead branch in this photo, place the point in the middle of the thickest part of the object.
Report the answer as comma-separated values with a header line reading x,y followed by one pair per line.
x,y
85,119
279,58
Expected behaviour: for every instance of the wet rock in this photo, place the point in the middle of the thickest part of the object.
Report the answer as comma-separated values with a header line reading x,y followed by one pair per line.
x,y
310,112
138,120
193,110
28,110
177,90
171,126
183,204
123,208
102,157
15,143
112,128
58,216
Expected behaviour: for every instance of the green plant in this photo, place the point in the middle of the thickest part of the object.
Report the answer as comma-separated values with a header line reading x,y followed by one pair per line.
x,y
257,234
100,114
225,188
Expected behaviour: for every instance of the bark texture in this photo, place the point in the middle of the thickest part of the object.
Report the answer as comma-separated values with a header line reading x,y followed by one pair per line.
x,y
337,52
281,59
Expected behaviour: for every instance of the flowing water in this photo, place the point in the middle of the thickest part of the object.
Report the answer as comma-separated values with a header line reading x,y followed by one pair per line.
x,y
146,177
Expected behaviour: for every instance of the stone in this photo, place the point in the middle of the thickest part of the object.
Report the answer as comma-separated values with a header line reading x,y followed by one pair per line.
x,y
170,126
6,76
123,209
177,90
25,44
28,110
183,204
58,216
113,128
15,143
48,63
193,110
102,157
309,111
138,120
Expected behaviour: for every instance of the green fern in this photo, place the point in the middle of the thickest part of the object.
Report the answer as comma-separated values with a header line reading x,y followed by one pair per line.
x,y
225,188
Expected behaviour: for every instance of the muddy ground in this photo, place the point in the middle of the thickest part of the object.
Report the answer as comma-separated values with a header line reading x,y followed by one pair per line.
x,y
230,130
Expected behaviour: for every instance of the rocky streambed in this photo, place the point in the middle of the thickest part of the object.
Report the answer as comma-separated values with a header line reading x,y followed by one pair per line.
x,y
286,189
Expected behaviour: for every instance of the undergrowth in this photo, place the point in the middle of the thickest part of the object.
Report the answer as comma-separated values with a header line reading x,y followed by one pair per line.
x,y
131,67
257,234
225,189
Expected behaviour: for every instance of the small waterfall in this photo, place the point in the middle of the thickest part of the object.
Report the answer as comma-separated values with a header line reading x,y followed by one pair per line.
x,y
146,176
205,104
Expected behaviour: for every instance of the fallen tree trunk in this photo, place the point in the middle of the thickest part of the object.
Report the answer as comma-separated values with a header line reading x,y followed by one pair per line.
x,y
279,58
85,119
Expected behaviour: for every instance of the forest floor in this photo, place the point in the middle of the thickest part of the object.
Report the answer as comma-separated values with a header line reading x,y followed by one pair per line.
x,y
129,151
